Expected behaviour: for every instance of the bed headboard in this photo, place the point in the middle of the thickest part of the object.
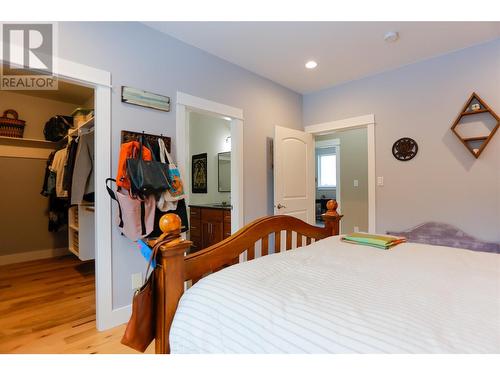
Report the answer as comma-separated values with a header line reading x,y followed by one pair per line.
x,y
434,233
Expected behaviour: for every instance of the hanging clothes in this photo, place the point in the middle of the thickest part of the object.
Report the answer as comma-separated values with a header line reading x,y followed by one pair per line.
x,y
70,164
82,184
58,213
48,179
58,207
58,168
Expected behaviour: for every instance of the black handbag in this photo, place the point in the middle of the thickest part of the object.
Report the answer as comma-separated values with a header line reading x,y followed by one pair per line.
x,y
147,176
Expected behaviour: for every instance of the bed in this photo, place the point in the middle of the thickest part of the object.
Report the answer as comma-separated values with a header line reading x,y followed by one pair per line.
x,y
326,296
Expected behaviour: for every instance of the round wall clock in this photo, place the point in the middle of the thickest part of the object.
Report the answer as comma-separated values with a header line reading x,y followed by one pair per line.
x,y
404,149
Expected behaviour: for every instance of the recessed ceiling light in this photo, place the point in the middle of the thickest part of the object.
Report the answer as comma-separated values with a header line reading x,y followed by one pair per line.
x,y
311,64
391,36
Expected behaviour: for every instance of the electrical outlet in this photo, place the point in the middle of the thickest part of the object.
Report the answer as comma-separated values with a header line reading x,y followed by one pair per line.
x,y
136,280
356,229
380,181
356,183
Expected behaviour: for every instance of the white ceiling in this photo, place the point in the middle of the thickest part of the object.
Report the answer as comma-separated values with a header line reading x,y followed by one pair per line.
x,y
345,51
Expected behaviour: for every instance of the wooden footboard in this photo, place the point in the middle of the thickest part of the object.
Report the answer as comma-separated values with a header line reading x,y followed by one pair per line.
x,y
174,268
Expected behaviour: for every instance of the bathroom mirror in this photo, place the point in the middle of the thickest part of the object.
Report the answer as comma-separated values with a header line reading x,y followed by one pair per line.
x,y
224,159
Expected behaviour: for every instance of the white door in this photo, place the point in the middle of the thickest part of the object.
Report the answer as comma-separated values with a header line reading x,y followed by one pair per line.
x,y
294,192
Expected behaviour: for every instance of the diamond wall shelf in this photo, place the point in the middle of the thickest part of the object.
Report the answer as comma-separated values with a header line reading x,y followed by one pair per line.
x,y
474,106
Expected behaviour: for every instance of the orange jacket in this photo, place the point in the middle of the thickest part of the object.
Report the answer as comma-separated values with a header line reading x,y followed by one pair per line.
x,y
129,150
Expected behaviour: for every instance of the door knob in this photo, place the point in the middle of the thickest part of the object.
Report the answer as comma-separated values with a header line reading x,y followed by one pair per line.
x,y
280,206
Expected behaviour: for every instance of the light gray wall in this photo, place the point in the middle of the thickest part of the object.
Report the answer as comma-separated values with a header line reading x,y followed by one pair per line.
x,y
140,57
353,166
208,134
444,182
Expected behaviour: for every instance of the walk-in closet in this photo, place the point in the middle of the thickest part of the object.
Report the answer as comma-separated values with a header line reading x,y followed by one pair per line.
x,y
47,206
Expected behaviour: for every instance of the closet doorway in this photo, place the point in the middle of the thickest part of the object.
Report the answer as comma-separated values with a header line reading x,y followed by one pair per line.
x,y
47,230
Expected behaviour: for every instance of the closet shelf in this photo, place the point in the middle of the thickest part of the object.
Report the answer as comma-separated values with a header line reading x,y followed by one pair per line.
x,y
29,142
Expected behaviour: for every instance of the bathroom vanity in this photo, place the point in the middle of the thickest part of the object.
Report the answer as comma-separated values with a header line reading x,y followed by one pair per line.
x,y
209,224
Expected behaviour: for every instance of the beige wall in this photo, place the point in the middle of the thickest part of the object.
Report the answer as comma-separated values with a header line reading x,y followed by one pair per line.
x,y
353,166
23,210
208,134
34,110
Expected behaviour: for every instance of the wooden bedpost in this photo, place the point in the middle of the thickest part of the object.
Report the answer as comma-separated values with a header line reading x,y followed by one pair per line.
x,y
332,218
169,278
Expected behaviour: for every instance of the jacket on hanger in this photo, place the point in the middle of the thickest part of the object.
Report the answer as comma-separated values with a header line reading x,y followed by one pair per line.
x,y
70,164
58,207
48,179
82,183
58,167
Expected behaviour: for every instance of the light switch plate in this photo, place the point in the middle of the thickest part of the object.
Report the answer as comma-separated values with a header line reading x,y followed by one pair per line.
x,y
136,280
356,183
380,181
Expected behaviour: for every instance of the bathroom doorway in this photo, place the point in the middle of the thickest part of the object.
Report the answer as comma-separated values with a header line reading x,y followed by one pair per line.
x,y
208,185
210,158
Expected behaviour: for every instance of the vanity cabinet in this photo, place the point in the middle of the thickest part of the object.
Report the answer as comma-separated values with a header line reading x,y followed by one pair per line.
x,y
208,225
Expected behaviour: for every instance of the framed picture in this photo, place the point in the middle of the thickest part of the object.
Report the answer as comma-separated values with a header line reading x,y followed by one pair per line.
x,y
199,173
145,99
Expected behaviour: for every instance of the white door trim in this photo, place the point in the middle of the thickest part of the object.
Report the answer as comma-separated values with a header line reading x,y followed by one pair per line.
x,y
100,80
201,104
186,103
367,121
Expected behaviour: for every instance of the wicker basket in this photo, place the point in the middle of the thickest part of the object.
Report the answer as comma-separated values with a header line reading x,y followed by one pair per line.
x,y
11,127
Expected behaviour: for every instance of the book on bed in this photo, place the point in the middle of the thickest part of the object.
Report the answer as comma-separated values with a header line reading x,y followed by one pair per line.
x,y
375,240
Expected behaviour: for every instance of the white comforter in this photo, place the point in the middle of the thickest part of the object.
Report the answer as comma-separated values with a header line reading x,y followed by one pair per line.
x,y
333,297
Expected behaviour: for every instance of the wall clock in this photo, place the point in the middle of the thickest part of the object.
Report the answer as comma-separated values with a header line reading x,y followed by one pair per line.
x,y
404,149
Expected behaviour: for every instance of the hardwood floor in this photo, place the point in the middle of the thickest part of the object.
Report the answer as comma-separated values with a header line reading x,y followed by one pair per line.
x,y
48,306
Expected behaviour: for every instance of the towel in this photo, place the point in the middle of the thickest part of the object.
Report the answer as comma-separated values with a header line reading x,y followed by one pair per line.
x,y
375,240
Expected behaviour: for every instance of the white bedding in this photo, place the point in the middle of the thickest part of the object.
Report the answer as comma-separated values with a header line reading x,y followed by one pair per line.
x,y
333,297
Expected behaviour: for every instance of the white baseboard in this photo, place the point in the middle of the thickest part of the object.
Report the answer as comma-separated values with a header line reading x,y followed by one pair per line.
x,y
32,255
118,316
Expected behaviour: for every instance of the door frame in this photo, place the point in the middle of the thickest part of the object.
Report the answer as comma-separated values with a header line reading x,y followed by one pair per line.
x,y
335,143
368,122
188,103
100,81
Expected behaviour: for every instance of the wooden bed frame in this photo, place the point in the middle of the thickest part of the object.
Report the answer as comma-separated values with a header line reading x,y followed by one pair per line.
x,y
174,268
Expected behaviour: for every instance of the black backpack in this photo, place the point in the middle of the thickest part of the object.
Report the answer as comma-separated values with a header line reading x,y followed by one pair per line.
x,y
57,127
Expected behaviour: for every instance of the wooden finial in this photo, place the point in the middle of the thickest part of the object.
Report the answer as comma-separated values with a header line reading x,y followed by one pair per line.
x,y
170,225
331,207
331,217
